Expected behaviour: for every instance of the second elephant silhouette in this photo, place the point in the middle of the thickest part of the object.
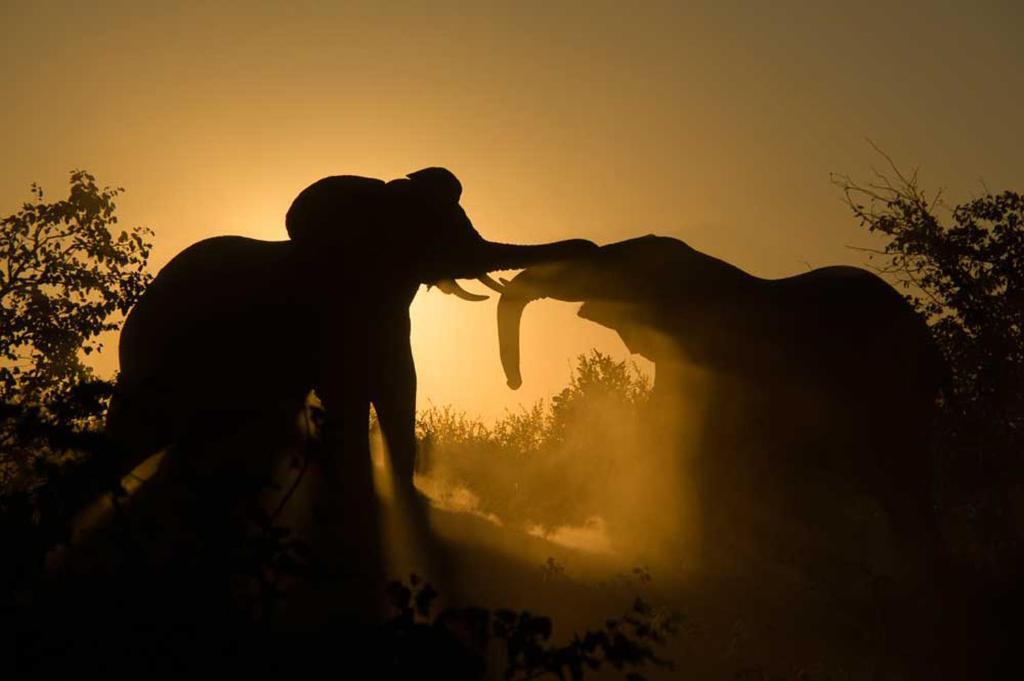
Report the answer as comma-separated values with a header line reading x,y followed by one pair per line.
x,y
828,375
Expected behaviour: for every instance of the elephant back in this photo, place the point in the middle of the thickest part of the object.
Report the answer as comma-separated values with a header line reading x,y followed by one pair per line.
x,y
322,211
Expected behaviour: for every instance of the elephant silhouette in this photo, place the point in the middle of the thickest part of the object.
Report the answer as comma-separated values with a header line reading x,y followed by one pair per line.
x,y
237,330
831,372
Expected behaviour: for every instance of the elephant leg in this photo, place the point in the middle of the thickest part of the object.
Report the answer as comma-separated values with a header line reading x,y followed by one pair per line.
x,y
393,392
134,430
396,411
345,536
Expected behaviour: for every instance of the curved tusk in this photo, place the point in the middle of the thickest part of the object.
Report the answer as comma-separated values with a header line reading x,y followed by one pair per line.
x,y
489,282
451,287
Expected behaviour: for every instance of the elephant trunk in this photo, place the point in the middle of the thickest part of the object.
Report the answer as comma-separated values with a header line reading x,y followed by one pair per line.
x,y
481,257
510,314
491,255
562,281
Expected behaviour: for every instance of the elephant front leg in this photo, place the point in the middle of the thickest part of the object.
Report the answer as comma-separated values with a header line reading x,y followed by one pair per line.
x,y
346,536
393,393
346,461
394,396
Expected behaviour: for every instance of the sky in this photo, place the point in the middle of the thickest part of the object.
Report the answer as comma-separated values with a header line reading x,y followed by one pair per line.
x,y
718,123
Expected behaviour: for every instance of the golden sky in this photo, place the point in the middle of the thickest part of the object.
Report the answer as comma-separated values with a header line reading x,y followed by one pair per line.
x,y
710,121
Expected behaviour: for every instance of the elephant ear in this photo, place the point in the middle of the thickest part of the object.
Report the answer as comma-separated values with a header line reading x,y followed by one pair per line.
x,y
439,183
324,209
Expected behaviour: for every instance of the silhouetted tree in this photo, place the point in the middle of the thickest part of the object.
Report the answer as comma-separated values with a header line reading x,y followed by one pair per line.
x,y
63,276
599,384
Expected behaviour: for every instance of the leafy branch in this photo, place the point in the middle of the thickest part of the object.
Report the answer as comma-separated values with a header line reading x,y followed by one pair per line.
x,y
64,276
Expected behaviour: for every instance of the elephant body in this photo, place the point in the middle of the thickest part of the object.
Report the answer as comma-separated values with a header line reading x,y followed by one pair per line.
x,y
821,388
217,362
838,328
238,328
223,327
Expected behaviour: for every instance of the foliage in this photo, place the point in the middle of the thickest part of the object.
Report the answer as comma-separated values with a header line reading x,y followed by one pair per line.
x,y
524,639
598,385
63,276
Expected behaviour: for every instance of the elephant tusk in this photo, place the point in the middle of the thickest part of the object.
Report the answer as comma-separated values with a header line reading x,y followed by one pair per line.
x,y
489,282
450,286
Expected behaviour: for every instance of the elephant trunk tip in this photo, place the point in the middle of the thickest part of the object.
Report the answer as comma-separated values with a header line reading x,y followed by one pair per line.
x,y
515,382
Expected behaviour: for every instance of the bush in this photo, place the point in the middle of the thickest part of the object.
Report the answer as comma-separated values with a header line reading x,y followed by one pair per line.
x,y
551,464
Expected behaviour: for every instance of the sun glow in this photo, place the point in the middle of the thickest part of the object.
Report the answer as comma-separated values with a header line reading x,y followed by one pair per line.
x,y
455,344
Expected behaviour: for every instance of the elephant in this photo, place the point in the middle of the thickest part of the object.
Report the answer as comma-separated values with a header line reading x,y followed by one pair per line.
x,y
238,328
831,370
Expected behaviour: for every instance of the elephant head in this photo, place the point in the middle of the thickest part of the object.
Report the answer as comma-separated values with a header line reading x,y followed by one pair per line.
x,y
415,225
609,281
664,299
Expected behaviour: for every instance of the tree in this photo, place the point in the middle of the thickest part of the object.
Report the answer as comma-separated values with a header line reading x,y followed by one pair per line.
x,y
64,275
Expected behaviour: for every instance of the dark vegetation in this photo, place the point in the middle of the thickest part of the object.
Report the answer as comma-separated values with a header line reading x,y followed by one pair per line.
x,y
65,278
